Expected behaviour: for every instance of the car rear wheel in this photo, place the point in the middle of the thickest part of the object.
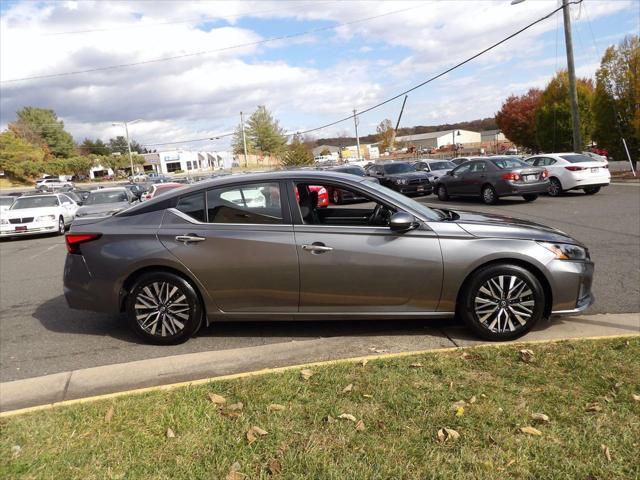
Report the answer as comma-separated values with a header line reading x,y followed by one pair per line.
x,y
555,187
163,308
61,226
489,195
530,197
502,302
591,190
443,195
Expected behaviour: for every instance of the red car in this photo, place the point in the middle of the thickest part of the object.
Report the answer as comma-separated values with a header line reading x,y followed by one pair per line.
x,y
160,188
323,195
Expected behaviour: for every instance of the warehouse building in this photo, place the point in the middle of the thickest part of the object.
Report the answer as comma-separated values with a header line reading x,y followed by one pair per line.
x,y
437,140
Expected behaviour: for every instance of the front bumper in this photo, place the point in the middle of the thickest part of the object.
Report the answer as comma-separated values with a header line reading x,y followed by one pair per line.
x,y
571,286
33,228
414,189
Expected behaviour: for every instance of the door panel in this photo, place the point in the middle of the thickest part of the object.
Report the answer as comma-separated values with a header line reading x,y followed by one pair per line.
x,y
368,269
245,268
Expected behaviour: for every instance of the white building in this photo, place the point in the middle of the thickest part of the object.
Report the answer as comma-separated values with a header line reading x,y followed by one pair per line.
x,y
441,139
492,136
187,161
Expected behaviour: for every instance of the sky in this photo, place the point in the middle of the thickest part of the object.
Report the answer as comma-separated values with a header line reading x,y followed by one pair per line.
x,y
309,62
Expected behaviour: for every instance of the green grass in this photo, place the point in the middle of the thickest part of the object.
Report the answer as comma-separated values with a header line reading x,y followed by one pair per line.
x,y
402,408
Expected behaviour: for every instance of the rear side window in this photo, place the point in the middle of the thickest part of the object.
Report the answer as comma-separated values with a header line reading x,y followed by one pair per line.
x,y
251,203
193,205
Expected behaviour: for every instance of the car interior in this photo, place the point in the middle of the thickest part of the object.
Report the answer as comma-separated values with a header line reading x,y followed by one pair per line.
x,y
364,212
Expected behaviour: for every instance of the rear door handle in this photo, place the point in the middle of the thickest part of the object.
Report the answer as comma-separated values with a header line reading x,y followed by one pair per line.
x,y
317,247
189,238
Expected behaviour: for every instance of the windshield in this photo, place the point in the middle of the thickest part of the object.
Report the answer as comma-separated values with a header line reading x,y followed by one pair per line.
x,y
393,168
442,165
576,158
402,200
6,201
35,202
507,163
352,171
97,198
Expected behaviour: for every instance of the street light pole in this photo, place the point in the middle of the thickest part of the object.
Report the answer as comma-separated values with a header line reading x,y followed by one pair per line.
x,y
355,121
244,141
126,131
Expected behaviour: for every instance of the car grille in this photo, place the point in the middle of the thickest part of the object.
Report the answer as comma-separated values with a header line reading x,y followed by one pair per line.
x,y
417,181
21,220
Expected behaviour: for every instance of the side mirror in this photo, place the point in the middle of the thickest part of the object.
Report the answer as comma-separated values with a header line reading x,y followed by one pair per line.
x,y
402,222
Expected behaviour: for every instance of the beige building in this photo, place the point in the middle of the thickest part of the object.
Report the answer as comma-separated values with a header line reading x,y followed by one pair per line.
x,y
444,138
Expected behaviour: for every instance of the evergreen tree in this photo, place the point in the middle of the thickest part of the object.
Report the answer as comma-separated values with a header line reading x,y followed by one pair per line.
x,y
40,126
298,153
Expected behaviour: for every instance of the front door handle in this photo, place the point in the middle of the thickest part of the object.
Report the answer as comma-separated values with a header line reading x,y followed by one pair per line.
x,y
317,247
189,238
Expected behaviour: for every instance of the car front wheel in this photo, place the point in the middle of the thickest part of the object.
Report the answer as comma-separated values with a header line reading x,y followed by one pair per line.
x,y
489,195
61,226
443,195
502,302
164,308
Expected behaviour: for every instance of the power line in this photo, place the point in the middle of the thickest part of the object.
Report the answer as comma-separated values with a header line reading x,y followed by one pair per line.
x,y
435,77
213,137
205,52
174,22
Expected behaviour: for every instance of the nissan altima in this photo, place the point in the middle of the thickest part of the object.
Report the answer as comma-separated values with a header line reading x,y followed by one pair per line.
x,y
257,246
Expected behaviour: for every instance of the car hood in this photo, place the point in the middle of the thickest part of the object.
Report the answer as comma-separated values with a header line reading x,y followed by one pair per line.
x,y
409,175
30,212
489,225
102,208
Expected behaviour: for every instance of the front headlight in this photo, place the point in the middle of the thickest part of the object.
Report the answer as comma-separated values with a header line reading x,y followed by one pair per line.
x,y
45,218
566,251
401,181
4,221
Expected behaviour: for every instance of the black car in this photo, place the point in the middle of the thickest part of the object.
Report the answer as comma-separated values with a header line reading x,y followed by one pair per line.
x,y
402,177
136,189
338,196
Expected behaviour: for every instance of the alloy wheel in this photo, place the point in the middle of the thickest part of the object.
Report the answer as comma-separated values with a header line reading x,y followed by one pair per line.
x,y
61,227
488,195
555,188
161,309
504,303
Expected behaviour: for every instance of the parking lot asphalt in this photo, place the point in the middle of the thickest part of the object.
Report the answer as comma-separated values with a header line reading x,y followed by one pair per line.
x,y
40,335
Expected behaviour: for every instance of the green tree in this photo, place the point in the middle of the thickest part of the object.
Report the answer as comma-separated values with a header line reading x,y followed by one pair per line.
x,y
264,133
93,147
118,145
35,122
325,151
386,135
553,117
297,154
617,98
237,143
517,118
79,165
20,159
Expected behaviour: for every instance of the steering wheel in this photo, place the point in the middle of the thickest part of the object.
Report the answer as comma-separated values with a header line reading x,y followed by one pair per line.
x,y
380,215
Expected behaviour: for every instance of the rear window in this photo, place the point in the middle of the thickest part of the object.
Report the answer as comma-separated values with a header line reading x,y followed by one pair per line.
x,y
507,163
576,158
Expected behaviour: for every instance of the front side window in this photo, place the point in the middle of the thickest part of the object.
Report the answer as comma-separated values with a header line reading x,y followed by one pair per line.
x,y
250,203
193,205
477,167
464,168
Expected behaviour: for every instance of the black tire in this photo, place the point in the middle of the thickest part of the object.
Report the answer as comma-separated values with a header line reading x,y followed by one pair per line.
x,y
591,190
443,195
145,293
530,197
555,187
476,287
61,226
489,195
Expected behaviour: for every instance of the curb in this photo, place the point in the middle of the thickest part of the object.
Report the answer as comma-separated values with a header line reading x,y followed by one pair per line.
x,y
266,371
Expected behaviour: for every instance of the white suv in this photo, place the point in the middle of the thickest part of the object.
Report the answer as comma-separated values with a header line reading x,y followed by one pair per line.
x,y
51,184
38,214
572,171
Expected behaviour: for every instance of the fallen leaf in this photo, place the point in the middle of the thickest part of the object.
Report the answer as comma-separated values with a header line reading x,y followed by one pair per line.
x,y
328,419
526,356
378,350
170,433
416,365
458,404
306,374
347,416
465,355
635,397
364,363
254,432
473,399
531,431
459,411
231,415
234,473
540,417
367,396
235,407
618,385
482,395
276,407
509,463
217,399
109,415
274,467
360,426
593,407
16,450
445,434
606,452
348,388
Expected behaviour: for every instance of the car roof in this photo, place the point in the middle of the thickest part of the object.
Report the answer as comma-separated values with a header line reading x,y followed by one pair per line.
x,y
27,195
109,189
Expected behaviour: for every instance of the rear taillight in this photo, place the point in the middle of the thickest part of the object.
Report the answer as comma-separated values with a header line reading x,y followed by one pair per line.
x,y
73,240
545,173
575,169
511,176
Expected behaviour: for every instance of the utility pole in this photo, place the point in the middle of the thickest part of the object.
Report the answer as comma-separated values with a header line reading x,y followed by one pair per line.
x,y
126,131
573,91
356,121
244,141
395,130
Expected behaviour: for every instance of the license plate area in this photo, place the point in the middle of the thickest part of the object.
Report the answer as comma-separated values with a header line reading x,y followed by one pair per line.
x,y
420,188
594,169
530,178
21,229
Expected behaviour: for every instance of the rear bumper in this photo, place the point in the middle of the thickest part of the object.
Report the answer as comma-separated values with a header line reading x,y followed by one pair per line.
x,y
507,188
587,180
83,292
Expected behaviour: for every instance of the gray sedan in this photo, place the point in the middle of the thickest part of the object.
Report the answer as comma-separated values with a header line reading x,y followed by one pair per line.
x,y
493,177
257,246
106,201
